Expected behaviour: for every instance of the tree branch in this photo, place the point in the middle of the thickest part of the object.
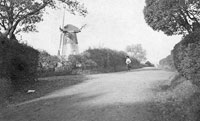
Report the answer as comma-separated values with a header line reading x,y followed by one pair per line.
x,y
185,23
193,17
3,24
178,20
25,16
17,15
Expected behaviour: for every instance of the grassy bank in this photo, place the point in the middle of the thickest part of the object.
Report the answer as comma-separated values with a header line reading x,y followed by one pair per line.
x,y
42,87
176,100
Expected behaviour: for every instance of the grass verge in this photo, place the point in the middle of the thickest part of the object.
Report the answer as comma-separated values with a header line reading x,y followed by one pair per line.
x,y
180,101
43,86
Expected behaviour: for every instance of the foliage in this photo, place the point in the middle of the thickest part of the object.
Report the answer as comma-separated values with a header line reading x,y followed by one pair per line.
x,y
82,61
49,65
167,63
186,57
136,51
22,15
18,61
63,68
108,60
47,62
149,64
104,58
182,103
101,60
173,17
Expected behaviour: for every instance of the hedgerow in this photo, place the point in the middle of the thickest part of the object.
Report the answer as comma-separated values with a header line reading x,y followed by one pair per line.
x,y
108,60
18,61
51,65
167,63
186,57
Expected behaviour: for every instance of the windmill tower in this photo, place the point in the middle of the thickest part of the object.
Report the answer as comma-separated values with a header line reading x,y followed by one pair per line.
x,y
68,40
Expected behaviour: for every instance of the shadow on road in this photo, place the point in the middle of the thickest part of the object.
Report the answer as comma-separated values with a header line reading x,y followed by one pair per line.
x,y
79,108
76,108
45,86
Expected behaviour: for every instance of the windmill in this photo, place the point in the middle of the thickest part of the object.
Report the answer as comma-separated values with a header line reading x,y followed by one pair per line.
x,y
68,39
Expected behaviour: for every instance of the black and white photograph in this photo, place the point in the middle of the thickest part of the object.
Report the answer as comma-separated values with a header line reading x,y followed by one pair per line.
x,y
99,60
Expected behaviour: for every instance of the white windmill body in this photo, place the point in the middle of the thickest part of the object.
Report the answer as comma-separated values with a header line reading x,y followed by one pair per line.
x,y
69,47
68,40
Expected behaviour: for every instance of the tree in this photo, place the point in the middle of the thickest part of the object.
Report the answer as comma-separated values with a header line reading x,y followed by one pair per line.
x,y
22,15
173,17
137,52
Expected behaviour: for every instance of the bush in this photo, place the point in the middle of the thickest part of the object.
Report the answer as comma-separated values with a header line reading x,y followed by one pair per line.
x,y
102,60
186,57
53,65
82,61
107,60
149,64
167,63
65,68
18,61
47,62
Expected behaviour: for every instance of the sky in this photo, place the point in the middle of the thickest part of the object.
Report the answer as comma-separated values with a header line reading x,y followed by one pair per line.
x,y
110,23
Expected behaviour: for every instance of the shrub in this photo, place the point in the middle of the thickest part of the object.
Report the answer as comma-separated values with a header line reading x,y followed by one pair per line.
x,y
149,64
135,63
186,57
53,65
107,60
167,63
18,61
82,61
47,62
65,68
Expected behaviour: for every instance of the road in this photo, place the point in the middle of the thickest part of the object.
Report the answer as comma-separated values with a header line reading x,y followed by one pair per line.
x,y
122,96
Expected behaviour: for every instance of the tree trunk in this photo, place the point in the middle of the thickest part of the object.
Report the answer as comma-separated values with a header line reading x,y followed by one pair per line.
x,y
9,34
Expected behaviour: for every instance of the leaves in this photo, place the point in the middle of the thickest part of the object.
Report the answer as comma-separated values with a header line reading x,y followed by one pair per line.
x,y
186,56
167,63
173,17
22,15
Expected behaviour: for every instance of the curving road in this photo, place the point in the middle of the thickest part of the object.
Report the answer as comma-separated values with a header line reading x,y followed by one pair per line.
x,y
122,96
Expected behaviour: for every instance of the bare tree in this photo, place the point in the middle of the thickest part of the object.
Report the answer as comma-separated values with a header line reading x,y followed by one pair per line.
x,y
137,52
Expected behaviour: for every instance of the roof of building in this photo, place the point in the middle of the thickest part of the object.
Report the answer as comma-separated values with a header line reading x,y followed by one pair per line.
x,y
71,28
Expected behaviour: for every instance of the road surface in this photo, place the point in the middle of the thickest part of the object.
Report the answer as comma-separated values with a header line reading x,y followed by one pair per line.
x,y
122,96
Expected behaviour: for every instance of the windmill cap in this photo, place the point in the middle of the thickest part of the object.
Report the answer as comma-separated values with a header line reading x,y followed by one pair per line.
x,y
71,28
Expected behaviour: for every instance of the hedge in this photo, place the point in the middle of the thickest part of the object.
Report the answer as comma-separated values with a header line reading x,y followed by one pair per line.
x,y
167,63
103,60
18,62
50,65
186,56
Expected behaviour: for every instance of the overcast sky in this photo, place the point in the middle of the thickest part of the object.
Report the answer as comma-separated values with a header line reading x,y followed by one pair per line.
x,y
110,23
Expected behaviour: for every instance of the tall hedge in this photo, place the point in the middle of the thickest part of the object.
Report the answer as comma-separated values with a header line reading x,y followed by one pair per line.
x,y
82,60
186,56
167,63
18,62
110,60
